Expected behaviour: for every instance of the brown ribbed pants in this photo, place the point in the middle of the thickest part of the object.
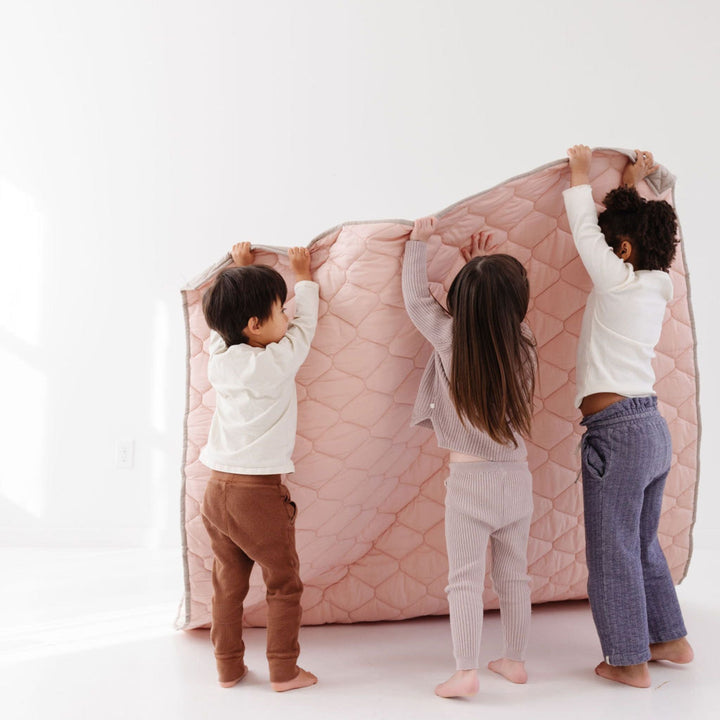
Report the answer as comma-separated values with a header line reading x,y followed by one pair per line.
x,y
251,519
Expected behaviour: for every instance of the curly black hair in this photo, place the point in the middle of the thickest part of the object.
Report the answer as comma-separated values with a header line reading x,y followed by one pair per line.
x,y
650,225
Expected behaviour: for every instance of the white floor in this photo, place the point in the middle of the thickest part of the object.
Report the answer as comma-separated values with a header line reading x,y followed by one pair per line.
x,y
89,634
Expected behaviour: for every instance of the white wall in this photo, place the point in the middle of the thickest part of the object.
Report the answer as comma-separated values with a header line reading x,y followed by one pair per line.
x,y
140,139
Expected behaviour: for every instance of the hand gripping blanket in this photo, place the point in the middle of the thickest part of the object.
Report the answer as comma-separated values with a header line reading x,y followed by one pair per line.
x,y
369,488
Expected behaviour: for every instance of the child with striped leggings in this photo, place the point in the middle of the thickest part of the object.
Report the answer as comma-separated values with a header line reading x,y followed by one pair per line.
x,y
477,395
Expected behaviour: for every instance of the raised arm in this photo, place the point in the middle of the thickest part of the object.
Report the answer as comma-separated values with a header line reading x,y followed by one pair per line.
x,y
424,311
606,270
290,353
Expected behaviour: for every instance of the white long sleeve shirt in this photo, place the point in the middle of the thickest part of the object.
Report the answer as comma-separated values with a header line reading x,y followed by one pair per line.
x,y
255,421
624,313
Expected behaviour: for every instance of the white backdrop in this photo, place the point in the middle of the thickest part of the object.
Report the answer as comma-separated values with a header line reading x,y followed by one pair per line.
x,y
139,139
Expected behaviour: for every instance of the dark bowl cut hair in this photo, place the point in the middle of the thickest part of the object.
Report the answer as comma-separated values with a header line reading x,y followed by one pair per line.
x,y
492,377
650,225
241,293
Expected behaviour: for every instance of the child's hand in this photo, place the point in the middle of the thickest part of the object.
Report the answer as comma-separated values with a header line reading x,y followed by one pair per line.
x,y
300,263
580,157
423,229
642,167
480,244
241,254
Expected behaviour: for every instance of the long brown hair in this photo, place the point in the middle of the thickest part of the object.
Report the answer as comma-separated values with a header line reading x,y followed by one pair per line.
x,y
492,378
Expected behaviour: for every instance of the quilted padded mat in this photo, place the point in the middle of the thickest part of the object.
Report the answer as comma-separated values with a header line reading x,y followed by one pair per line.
x,y
369,488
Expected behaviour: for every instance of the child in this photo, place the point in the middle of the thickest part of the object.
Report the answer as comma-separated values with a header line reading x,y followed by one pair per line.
x,y
626,448
254,356
477,394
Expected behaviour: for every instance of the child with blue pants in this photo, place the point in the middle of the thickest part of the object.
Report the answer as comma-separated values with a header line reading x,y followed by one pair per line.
x,y
626,448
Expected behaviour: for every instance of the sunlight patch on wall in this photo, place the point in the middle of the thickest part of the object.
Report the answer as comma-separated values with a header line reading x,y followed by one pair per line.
x,y
22,360
159,411
22,423
22,233
161,345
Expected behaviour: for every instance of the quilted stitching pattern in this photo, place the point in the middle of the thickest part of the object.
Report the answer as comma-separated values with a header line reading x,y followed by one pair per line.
x,y
369,488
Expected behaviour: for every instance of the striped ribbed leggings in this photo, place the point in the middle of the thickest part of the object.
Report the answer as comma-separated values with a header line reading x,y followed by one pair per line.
x,y
488,501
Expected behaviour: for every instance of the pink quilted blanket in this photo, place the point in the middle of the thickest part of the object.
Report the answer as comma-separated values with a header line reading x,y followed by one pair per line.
x,y
368,487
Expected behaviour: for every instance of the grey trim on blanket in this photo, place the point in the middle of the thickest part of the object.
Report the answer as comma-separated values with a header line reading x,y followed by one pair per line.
x,y
659,182
691,546
668,179
185,601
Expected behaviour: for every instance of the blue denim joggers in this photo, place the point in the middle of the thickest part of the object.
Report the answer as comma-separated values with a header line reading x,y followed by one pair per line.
x,y
626,455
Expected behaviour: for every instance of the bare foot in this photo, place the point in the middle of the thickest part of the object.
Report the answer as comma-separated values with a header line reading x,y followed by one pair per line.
x,y
635,675
230,683
464,683
677,651
301,680
512,670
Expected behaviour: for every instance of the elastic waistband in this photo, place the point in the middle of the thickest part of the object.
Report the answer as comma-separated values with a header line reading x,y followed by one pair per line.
x,y
631,408
488,466
219,476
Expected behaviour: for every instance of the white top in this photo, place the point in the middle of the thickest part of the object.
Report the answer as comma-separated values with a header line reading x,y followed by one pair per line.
x,y
624,312
255,420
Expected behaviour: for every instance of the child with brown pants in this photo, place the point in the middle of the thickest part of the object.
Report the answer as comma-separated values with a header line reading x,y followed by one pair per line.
x,y
247,511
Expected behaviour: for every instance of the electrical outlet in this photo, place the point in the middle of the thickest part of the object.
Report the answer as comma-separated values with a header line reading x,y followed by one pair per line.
x,y
124,452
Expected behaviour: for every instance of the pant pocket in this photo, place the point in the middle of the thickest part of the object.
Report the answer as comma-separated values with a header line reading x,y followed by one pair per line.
x,y
594,455
290,506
